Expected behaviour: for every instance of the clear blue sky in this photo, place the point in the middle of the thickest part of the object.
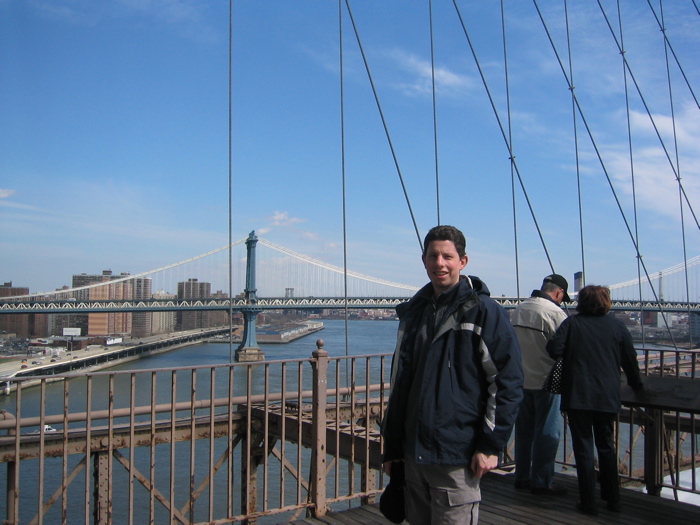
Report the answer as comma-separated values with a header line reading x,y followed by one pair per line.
x,y
114,135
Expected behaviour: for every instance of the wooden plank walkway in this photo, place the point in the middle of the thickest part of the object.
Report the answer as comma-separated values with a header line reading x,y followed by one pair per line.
x,y
501,504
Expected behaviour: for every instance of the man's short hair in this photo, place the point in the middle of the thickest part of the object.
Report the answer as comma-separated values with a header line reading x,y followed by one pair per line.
x,y
446,233
550,287
554,282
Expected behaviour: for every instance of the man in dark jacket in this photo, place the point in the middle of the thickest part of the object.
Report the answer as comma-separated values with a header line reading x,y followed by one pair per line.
x,y
456,386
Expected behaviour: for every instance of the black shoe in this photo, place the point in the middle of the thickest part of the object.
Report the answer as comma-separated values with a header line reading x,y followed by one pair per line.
x,y
614,506
591,511
552,490
521,485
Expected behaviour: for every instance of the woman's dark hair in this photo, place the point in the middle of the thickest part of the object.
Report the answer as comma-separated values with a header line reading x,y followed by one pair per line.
x,y
594,300
446,233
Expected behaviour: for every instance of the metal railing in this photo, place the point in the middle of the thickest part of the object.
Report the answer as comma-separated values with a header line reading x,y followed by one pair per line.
x,y
247,442
243,442
657,449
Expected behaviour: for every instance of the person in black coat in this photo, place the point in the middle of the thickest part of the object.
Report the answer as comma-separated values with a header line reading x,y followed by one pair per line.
x,y
594,346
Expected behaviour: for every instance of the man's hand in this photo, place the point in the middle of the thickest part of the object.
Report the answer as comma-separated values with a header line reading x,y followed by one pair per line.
x,y
387,468
481,463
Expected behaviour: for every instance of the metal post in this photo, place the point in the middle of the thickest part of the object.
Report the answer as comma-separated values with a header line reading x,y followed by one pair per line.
x,y
320,403
249,480
103,504
653,454
12,491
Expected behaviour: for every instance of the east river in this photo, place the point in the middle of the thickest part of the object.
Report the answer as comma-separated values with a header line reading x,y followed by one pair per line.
x,y
363,338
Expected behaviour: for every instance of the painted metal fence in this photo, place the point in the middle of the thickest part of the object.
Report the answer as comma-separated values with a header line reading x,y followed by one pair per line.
x,y
249,442
241,442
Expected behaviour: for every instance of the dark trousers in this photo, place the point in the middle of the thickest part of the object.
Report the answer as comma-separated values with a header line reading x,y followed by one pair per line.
x,y
589,427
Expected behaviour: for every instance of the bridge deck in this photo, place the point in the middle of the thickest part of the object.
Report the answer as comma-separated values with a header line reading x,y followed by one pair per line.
x,y
502,504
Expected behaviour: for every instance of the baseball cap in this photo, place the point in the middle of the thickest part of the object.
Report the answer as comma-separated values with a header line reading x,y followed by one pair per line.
x,y
559,280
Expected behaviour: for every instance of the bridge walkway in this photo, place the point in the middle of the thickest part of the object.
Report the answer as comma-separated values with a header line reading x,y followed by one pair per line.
x,y
502,504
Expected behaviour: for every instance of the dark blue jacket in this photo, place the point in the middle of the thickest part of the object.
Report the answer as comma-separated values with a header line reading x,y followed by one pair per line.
x,y
594,348
470,378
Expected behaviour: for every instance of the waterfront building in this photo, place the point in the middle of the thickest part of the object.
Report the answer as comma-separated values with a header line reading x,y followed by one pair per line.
x,y
218,317
163,322
111,323
23,326
694,327
98,323
193,289
142,322
57,322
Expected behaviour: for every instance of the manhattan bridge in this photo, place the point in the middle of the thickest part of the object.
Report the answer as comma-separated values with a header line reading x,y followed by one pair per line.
x,y
218,438
285,279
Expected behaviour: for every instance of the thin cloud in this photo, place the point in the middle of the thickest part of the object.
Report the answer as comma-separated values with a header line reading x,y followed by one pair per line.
x,y
5,194
654,176
310,236
186,16
282,218
447,82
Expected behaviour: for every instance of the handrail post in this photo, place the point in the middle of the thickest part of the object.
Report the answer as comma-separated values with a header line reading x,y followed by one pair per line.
x,y
653,451
320,403
11,492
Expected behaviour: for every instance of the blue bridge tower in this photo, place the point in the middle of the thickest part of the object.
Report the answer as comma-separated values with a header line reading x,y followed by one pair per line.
x,y
249,350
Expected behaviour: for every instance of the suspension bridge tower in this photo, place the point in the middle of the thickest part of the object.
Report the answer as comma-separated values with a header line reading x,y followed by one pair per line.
x,y
249,350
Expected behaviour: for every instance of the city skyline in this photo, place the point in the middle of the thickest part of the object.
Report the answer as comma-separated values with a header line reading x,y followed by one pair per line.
x,y
114,136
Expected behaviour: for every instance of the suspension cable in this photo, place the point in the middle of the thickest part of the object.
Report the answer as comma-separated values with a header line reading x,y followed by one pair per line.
x,y
503,133
230,185
678,162
632,172
594,144
669,47
342,169
576,146
511,158
649,114
435,128
386,128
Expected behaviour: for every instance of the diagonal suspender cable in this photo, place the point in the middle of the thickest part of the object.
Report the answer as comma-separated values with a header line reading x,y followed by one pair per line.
x,y
675,57
503,133
511,158
576,148
649,114
674,167
594,144
678,162
386,129
435,129
631,157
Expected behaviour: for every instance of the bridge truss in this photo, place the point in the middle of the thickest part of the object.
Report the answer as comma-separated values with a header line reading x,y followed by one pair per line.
x,y
283,303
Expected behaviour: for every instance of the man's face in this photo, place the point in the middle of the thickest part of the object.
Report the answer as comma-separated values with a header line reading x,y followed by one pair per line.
x,y
443,264
558,296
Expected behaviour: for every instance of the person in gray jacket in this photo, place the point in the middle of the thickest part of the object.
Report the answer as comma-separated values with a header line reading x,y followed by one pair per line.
x,y
538,427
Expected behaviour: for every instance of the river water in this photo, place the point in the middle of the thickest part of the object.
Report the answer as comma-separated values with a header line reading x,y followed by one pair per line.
x,y
363,338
